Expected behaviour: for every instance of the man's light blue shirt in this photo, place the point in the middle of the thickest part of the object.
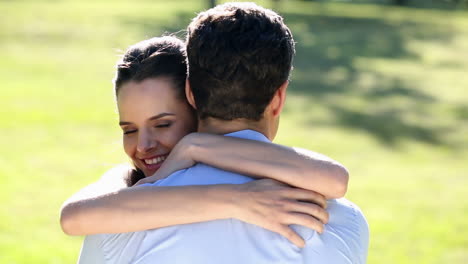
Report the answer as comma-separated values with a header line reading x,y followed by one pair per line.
x,y
344,240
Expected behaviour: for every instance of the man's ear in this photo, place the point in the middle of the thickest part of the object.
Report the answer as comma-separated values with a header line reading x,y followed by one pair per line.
x,y
189,94
277,103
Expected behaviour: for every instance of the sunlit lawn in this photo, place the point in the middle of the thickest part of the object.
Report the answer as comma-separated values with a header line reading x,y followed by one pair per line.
x,y
380,89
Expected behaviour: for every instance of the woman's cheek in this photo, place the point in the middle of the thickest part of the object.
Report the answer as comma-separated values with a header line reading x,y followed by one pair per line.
x,y
129,145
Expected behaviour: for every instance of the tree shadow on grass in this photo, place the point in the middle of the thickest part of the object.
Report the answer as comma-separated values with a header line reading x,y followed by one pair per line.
x,y
329,50
386,126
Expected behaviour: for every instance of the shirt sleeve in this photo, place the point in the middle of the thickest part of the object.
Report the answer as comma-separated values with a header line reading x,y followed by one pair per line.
x,y
345,239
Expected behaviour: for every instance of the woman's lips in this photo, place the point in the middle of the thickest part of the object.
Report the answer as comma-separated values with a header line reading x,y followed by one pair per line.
x,y
152,164
155,160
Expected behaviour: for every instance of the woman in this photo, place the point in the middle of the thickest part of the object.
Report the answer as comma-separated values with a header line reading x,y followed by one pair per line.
x,y
157,121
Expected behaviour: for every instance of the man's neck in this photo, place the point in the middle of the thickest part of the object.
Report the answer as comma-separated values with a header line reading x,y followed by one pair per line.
x,y
221,127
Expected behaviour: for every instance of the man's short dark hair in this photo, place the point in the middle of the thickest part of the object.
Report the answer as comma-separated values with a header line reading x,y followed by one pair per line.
x,y
239,54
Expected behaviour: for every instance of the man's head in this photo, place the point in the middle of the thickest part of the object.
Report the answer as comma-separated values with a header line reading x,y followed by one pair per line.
x,y
239,55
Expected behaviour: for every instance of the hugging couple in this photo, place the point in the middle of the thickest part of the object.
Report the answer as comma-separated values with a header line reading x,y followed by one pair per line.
x,y
206,184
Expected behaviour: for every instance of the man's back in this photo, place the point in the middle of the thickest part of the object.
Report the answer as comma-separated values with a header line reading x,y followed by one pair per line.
x,y
345,239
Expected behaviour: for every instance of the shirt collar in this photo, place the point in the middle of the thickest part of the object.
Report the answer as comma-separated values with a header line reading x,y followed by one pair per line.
x,y
249,134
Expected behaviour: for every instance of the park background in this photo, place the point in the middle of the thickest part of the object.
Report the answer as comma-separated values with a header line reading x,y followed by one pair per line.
x,y
379,87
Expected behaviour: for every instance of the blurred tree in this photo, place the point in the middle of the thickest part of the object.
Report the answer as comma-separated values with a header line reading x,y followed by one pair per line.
x,y
461,3
400,2
211,3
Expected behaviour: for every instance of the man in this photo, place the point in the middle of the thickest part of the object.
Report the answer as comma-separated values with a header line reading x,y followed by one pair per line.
x,y
240,57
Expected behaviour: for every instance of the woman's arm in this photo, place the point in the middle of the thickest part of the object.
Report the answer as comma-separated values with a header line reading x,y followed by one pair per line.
x,y
265,203
296,167
100,209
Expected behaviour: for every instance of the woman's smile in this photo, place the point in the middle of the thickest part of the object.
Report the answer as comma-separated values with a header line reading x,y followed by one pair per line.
x,y
152,164
153,161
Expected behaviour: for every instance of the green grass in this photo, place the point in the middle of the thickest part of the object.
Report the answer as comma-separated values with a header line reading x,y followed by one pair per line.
x,y
379,88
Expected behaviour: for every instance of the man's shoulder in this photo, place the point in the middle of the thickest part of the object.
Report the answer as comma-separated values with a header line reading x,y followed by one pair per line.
x,y
343,205
347,232
346,214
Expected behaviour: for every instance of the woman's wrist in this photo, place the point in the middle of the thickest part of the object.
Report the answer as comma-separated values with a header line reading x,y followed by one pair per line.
x,y
193,146
184,149
224,197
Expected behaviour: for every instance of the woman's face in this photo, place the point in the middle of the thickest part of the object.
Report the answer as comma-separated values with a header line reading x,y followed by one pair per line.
x,y
153,120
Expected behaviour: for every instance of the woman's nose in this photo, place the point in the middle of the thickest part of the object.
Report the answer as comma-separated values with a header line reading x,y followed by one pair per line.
x,y
146,142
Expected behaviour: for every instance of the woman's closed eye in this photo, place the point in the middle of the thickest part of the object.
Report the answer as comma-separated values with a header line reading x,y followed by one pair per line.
x,y
129,131
163,125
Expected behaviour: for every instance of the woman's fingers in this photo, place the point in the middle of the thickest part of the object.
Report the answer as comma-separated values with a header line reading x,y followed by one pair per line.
x,y
290,234
310,209
302,213
305,220
305,195
275,206
288,192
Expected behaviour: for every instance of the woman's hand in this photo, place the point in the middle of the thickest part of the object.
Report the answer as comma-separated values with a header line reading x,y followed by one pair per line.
x,y
274,206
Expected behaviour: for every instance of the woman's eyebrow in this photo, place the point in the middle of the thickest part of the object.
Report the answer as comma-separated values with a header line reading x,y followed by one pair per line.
x,y
161,115
123,123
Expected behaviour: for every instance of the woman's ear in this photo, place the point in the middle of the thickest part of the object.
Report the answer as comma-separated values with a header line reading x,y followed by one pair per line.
x,y
189,94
